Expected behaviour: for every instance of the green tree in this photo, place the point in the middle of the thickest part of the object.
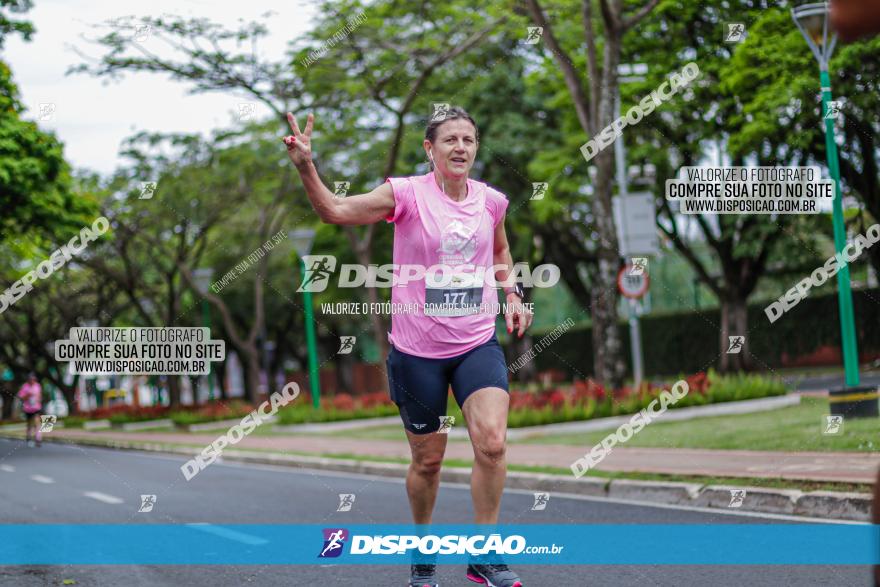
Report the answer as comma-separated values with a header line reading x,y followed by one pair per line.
x,y
593,102
374,73
733,114
35,182
8,25
776,79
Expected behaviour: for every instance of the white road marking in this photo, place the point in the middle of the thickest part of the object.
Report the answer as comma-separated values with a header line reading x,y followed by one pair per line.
x,y
228,534
103,497
7,468
42,479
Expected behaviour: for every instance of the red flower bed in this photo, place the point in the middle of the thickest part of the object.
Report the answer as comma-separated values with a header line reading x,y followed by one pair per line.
x,y
101,413
580,392
220,409
343,402
520,400
584,390
377,398
698,382
556,399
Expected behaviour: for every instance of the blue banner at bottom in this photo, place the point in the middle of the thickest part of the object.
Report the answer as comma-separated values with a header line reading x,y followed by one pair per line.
x,y
538,544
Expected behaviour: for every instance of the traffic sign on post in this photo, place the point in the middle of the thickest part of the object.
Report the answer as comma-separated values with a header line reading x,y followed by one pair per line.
x,y
635,219
632,282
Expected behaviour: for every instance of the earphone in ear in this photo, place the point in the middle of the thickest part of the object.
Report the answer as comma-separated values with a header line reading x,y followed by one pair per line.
x,y
431,155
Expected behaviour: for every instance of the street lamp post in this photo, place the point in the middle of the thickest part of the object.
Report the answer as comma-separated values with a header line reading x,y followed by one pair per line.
x,y
302,239
812,21
203,279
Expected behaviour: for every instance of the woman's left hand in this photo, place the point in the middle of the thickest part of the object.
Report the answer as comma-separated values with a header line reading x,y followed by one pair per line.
x,y
517,316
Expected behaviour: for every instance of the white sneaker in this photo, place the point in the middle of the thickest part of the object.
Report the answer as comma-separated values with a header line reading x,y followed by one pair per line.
x,y
31,443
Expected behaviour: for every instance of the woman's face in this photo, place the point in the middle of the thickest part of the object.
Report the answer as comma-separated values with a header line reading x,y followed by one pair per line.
x,y
454,148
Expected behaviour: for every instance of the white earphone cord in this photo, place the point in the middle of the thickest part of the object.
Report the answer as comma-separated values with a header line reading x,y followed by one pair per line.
x,y
442,183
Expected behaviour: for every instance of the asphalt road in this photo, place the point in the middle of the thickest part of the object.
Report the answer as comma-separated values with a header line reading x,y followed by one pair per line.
x,y
63,484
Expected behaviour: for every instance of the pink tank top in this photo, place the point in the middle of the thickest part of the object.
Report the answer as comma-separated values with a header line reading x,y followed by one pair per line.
x,y
430,229
31,395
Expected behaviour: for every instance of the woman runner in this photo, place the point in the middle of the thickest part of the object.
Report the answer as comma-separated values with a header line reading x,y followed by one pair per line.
x,y
446,219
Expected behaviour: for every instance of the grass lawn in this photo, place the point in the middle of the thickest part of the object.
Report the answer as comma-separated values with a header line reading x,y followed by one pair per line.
x,y
794,428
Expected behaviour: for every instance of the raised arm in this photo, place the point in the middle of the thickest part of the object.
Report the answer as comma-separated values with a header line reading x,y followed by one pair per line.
x,y
361,209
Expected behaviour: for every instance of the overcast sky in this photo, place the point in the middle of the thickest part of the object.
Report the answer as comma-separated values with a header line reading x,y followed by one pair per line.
x,y
92,119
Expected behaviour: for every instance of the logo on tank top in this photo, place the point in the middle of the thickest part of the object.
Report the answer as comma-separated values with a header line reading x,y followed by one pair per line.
x,y
458,243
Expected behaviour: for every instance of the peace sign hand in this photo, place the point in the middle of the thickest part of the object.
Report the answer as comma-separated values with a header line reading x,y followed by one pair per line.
x,y
299,146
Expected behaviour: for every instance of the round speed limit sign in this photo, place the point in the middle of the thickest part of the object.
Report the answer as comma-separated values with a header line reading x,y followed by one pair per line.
x,y
632,281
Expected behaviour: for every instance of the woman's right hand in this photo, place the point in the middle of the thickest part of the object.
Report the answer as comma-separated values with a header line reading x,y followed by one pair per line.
x,y
299,145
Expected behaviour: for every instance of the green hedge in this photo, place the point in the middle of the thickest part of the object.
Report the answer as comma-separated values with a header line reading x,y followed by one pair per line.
x,y
302,414
721,388
688,342
74,421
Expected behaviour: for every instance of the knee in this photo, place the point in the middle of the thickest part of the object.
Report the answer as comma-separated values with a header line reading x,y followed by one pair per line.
x,y
428,465
492,447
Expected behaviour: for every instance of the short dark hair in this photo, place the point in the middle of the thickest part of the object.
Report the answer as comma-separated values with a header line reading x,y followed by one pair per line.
x,y
454,112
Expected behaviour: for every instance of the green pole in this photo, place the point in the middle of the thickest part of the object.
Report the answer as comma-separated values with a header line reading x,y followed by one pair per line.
x,y
206,320
844,295
314,378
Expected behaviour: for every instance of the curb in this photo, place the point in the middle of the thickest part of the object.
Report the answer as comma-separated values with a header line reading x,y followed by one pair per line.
x,y
761,499
817,504
668,492
336,426
220,424
147,424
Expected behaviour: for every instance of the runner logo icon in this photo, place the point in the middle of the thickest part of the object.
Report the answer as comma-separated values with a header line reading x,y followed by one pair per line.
x,y
833,424
318,269
446,424
346,344
541,500
346,501
334,540
47,423
147,503
736,344
737,496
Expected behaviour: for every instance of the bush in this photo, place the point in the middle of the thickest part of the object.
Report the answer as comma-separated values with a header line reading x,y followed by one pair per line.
x,y
341,406
584,400
529,405
126,414
212,412
343,402
74,421
742,386
307,414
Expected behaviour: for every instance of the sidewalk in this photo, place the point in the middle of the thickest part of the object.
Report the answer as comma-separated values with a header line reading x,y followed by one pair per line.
x,y
811,466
